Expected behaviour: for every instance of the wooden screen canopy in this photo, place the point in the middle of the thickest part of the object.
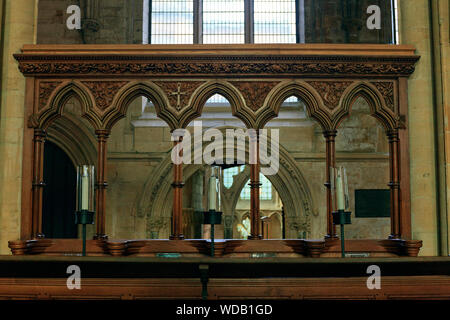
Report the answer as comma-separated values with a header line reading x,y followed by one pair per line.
x,y
255,79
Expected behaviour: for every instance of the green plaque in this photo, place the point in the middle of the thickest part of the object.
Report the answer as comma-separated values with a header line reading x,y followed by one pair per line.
x,y
372,203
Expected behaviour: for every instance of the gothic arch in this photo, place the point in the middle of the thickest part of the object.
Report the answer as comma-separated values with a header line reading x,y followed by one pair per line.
x,y
58,101
132,91
227,90
289,182
374,99
303,91
75,139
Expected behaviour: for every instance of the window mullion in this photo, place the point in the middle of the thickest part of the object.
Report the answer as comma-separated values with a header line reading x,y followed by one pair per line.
x,y
198,21
249,21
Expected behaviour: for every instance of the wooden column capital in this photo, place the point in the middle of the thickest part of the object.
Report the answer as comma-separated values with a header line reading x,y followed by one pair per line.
x,y
330,134
40,133
393,135
102,133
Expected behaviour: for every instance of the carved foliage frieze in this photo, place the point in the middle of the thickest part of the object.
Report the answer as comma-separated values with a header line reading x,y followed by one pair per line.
x,y
330,91
45,90
254,92
211,68
104,91
179,92
386,89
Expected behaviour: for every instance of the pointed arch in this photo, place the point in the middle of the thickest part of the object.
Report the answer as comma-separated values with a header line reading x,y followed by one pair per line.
x,y
289,182
58,101
301,90
75,139
374,99
132,91
229,92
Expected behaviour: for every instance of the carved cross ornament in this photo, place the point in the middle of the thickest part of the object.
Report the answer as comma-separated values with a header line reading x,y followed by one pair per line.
x,y
178,94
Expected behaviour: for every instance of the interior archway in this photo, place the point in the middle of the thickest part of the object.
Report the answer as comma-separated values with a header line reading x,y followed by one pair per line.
x,y
293,189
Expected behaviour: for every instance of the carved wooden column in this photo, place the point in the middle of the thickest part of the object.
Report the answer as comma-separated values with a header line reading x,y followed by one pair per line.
x,y
255,184
330,137
177,210
101,185
38,183
394,183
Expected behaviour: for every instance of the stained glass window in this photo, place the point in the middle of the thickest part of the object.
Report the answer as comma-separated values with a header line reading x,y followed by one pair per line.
x,y
228,176
274,21
172,22
223,21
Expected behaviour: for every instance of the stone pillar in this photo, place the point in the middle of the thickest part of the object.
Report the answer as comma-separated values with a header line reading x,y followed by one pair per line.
x,y
441,44
415,29
19,29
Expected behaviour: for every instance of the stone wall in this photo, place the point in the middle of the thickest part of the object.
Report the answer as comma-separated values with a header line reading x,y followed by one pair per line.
x,y
103,22
18,29
415,30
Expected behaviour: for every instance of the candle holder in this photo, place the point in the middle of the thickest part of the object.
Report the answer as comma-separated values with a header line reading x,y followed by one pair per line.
x,y
84,217
342,217
85,200
212,217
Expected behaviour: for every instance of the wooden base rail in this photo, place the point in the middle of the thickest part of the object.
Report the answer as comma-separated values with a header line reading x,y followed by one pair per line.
x,y
43,277
223,248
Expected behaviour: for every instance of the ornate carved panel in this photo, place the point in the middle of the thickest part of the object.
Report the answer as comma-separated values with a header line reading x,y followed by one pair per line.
x,y
210,68
104,91
45,90
386,89
254,92
330,91
179,92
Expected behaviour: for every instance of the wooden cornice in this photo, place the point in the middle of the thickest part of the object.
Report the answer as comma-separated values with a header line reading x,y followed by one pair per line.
x,y
243,60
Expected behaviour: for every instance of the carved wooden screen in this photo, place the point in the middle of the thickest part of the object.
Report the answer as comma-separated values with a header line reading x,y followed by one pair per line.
x,y
255,79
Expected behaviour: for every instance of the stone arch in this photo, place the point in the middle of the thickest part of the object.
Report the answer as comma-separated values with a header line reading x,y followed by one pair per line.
x,y
75,139
227,90
303,91
374,99
132,91
59,100
293,189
